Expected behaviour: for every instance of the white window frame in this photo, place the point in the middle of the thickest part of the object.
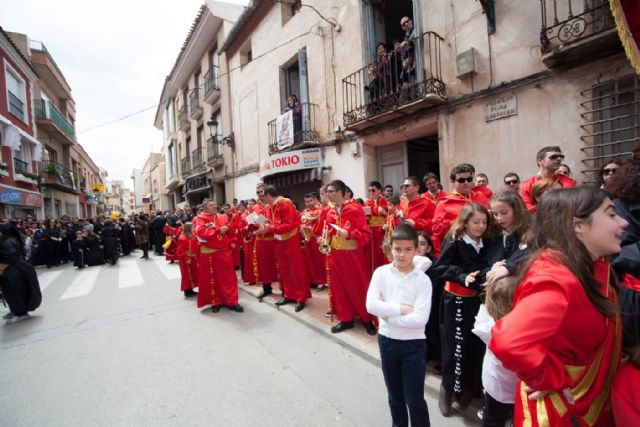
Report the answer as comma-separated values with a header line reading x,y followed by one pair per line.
x,y
8,69
25,154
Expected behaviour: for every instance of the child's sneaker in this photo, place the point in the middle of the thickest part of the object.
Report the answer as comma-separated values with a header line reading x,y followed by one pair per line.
x,y
14,319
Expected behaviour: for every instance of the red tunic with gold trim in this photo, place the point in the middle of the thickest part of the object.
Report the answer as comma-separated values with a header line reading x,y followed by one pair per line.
x,y
217,281
187,252
420,211
172,233
433,199
236,224
376,221
348,274
248,243
553,339
447,211
289,256
525,188
264,258
314,260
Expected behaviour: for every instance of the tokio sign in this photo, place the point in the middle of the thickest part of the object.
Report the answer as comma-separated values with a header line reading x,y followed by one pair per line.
x,y
290,161
503,106
10,196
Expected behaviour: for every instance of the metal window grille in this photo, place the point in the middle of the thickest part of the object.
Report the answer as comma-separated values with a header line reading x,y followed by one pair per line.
x,y
611,115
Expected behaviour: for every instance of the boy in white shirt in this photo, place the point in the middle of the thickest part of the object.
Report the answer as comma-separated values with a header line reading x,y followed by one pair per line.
x,y
400,295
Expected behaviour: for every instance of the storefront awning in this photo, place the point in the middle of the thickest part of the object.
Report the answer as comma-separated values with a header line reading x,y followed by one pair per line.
x,y
289,179
14,196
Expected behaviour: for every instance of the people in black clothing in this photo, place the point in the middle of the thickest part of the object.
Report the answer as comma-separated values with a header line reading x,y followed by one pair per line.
x,y
156,234
80,249
109,236
95,250
52,243
142,235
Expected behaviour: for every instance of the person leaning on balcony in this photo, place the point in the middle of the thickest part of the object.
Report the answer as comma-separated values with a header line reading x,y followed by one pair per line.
x,y
407,51
293,105
549,160
382,65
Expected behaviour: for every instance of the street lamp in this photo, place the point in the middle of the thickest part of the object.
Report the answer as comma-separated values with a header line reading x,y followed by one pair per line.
x,y
219,139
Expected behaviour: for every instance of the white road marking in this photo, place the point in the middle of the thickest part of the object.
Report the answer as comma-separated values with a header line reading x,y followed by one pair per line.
x,y
47,278
129,274
83,283
169,271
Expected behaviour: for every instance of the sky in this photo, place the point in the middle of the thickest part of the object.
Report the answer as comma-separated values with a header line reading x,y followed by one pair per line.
x,y
115,56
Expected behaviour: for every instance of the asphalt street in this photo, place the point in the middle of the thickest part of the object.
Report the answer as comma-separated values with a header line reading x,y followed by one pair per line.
x,y
121,346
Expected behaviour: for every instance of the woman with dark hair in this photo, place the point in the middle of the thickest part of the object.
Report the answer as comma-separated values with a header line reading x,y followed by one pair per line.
x,y
52,243
95,249
563,338
110,242
607,171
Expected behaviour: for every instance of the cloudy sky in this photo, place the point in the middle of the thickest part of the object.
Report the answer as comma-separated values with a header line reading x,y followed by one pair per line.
x,y
115,56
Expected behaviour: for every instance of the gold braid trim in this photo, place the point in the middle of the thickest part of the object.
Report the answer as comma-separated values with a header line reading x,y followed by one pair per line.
x,y
630,46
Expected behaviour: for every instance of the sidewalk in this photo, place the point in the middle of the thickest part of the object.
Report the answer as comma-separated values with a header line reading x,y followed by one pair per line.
x,y
355,340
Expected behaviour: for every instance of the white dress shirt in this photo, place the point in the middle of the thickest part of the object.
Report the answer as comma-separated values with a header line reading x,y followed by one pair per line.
x,y
414,289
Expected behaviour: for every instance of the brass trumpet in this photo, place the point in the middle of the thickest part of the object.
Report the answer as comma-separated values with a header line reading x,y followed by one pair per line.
x,y
324,247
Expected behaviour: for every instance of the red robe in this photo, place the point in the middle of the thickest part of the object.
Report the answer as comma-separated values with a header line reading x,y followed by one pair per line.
x,y
554,338
314,260
447,211
218,281
625,400
376,221
348,275
289,256
187,252
525,188
420,211
172,233
484,190
433,199
264,259
248,243
237,225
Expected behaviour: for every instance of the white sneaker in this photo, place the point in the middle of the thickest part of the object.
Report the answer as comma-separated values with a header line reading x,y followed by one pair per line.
x,y
15,319
7,316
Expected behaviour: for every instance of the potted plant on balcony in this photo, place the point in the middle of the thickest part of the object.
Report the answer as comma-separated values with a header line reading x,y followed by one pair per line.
x,y
4,168
51,169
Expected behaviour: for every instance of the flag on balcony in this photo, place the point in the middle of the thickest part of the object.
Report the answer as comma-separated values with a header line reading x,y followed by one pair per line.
x,y
284,130
627,16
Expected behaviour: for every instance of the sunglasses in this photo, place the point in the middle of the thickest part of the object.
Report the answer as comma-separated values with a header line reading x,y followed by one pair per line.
x,y
405,186
463,180
609,171
512,182
556,157
372,190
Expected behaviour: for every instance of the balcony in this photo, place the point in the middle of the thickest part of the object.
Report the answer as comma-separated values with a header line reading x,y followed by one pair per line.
x,y
212,85
305,133
16,106
185,167
54,174
197,160
21,172
214,152
52,120
574,30
195,109
48,70
385,90
183,118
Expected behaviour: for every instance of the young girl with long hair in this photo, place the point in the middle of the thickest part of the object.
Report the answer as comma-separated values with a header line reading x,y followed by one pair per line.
x,y
462,265
187,251
562,338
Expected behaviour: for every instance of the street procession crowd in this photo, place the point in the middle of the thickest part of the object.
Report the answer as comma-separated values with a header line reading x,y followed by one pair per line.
x,y
527,297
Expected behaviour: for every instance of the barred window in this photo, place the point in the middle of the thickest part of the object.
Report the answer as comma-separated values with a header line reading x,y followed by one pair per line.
x,y
611,114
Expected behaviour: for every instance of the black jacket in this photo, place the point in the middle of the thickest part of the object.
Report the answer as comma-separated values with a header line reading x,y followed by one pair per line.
x,y
457,260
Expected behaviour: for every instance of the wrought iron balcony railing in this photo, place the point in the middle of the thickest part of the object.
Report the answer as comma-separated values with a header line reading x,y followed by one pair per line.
x,y
304,129
197,159
56,174
46,110
194,102
185,166
568,21
214,149
20,165
183,118
211,82
404,76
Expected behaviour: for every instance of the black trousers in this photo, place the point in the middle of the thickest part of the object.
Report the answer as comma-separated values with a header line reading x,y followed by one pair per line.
x,y
494,413
462,351
432,329
403,367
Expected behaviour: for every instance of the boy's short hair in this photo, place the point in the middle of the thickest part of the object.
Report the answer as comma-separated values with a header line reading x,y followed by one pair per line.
x,y
499,297
404,232
394,200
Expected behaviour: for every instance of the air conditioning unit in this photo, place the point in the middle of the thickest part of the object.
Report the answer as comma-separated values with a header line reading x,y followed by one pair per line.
x,y
466,63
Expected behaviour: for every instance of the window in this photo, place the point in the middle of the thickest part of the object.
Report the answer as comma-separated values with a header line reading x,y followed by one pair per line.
x,y
22,159
612,120
246,55
16,93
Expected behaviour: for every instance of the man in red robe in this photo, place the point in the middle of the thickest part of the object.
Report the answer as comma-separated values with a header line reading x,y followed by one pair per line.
x,y
434,193
348,275
416,211
264,258
289,257
218,281
449,207
314,260
377,207
549,160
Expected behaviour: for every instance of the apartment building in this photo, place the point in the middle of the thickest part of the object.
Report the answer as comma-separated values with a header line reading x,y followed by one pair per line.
x,y
198,145
488,87
91,184
153,180
19,149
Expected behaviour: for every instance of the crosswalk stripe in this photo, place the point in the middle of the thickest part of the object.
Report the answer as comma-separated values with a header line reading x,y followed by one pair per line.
x,y
83,283
129,274
169,271
45,279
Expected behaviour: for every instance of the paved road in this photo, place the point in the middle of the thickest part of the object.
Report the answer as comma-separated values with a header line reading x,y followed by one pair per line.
x,y
120,346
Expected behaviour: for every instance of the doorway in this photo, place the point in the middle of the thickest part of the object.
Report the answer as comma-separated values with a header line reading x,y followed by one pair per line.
x,y
382,19
424,156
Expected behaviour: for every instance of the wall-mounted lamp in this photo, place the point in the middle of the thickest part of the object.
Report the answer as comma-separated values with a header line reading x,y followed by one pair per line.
x,y
229,140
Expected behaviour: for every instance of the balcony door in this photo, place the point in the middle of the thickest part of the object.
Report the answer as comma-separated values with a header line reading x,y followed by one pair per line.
x,y
294,81
392,165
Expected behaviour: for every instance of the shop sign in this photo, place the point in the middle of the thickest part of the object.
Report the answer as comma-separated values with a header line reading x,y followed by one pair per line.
x,y
196,183
10,196
290,161
98,187
503,106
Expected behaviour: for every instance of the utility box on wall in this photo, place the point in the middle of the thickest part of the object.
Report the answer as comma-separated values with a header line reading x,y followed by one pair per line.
x,y
466,63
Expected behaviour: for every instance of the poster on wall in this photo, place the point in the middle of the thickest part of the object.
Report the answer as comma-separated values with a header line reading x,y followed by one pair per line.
x,y
290,161
284,130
